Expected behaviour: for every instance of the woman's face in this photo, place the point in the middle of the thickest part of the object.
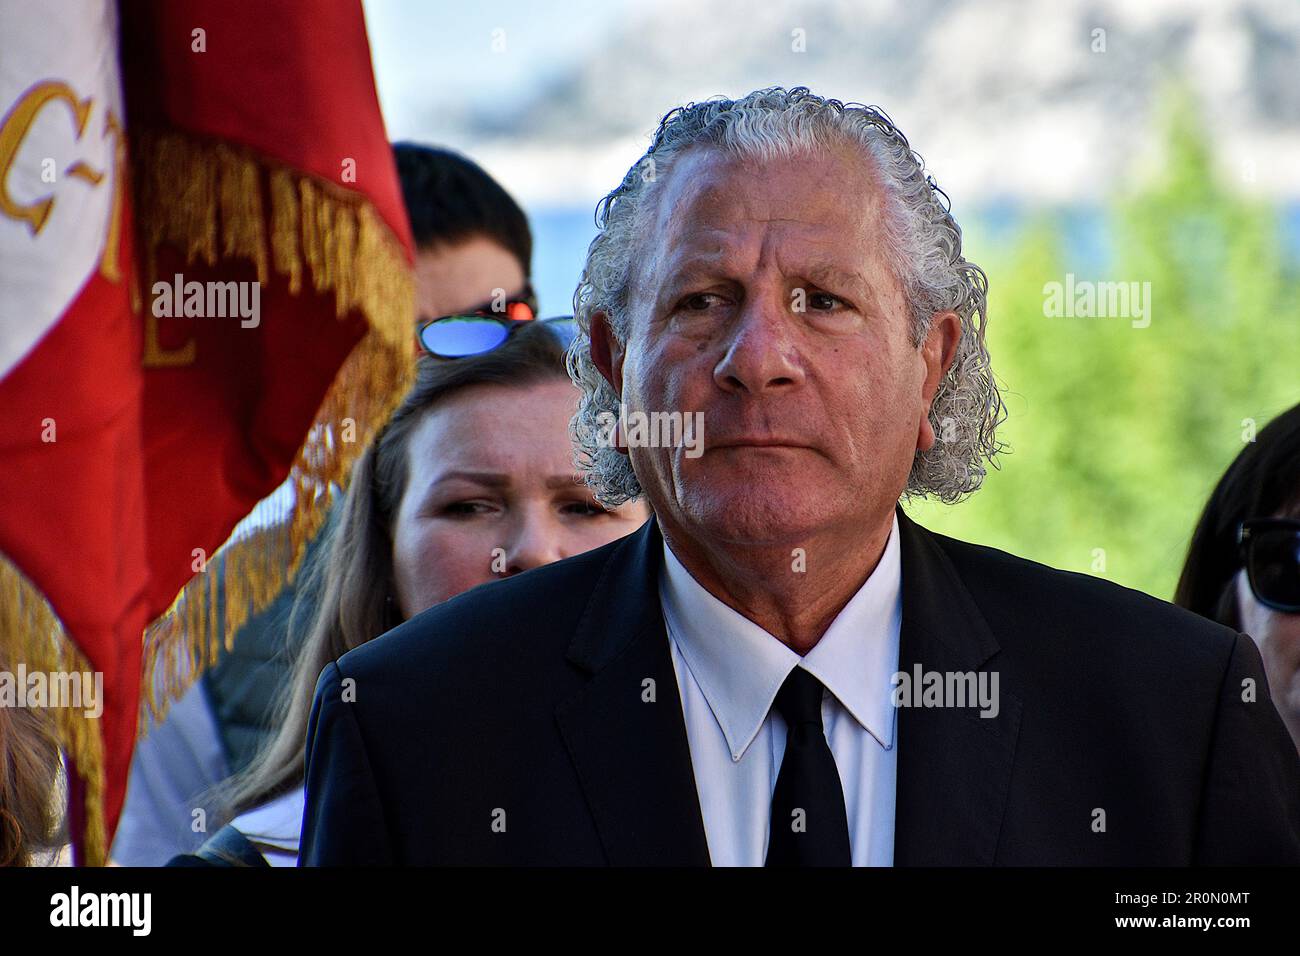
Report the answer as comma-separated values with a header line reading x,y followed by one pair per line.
x,y
491,491
1278,636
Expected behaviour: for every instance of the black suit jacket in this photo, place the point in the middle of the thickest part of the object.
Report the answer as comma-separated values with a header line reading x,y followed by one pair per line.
x,y
511,725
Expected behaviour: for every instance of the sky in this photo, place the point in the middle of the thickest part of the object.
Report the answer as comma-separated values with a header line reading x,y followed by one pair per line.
x,y
1011,102
432,53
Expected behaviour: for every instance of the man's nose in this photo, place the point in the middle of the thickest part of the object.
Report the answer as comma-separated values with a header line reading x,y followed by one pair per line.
x,y
534,541
760,354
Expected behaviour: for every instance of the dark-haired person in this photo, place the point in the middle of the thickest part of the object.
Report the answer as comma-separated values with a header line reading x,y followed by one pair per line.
x,y
473,250
472,239
1243,565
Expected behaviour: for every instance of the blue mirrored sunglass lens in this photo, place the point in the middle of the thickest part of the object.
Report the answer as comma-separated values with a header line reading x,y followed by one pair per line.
x,y
454,338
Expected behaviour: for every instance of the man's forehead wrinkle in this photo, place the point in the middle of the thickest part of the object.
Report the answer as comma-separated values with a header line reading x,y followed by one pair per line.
x,y
820,251
704,215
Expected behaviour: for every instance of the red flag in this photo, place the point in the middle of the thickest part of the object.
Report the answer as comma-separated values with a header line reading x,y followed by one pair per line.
x,y
204,289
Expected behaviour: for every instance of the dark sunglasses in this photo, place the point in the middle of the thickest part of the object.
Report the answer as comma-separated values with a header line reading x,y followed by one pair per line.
x,y
1270,549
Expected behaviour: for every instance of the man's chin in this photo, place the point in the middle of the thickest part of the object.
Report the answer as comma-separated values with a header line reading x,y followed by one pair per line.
x,y
754,514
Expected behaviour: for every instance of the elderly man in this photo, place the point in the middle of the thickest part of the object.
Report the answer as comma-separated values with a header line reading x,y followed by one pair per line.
x,y
780,668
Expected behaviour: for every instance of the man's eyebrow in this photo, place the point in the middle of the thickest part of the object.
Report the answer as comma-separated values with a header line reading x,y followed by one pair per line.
x,y
694,267
674,277
841,277
689,268
828,273
564,481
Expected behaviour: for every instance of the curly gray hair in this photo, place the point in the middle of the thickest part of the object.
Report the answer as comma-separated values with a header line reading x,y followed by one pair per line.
x,y
925,247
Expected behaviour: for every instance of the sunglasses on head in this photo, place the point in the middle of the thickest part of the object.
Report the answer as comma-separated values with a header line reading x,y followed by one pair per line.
x,y
1270,550
481,330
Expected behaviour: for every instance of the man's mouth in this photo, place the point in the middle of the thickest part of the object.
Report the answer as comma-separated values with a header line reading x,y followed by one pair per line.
x,y
757,442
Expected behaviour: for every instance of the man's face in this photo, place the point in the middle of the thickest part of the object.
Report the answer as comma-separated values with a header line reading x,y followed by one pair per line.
x,y
463,276
761,296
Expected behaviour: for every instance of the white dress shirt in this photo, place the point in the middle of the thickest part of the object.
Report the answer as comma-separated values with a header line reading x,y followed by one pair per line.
x,y
275,827
728,672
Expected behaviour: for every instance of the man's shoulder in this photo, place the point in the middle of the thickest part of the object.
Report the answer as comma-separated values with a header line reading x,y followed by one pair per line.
x,y
511,624
1037,602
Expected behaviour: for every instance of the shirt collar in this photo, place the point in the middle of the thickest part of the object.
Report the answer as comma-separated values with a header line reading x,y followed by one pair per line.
x,y
739,667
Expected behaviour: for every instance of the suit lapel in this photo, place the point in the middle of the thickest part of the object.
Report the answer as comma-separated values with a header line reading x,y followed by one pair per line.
x,y
954,766
633,758
624,730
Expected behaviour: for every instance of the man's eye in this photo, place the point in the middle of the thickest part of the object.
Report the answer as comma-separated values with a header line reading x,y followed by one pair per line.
x,y
823,301
585,509
700,301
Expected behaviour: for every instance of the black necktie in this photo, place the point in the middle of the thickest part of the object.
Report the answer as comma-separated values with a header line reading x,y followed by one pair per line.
x,y
810,826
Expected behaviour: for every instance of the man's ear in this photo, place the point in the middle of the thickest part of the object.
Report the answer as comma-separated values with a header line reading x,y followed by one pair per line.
x,y
606,351
938,352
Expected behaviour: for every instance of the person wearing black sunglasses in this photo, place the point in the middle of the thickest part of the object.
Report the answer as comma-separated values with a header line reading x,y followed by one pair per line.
x,y
1243,565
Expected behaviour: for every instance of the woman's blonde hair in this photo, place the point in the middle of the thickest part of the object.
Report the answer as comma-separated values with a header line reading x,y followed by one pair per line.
x,y
348,597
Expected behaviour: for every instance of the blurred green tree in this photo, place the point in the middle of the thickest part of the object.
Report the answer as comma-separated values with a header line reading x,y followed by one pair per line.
x,y
1118,432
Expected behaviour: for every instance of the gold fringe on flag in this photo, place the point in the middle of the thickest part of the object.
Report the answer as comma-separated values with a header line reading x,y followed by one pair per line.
x,y
206,200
